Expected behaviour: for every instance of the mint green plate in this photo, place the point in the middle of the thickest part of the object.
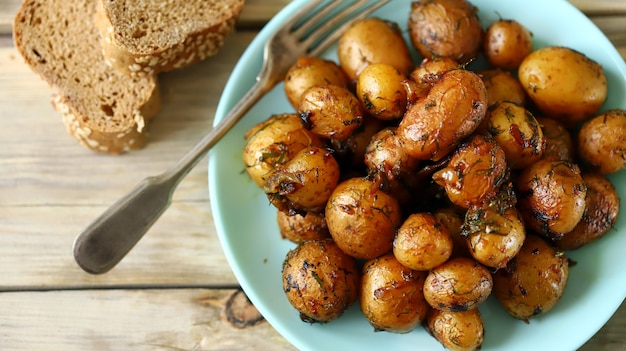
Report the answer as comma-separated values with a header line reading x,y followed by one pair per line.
x,y
249,236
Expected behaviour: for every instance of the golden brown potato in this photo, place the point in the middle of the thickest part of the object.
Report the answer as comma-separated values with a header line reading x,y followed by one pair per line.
x,y
551,197
533,281
454,107
602,142
422,243
274,142
494,236
517,131
453,220
559,144
457,331
362,219
330,111
564,84
602,209
427,74
385,155
381,91
446,28
297,227
320,281
373,40
502,86
460,284
305,182
311,71
506,44
475,171
350,152
392,297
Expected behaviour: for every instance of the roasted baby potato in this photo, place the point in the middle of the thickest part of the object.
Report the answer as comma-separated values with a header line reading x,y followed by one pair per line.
x,y
452,219
445,28
474,173
507,43
564,84
533,281
422,242
460,284
517,132
305,182
274,142
300,227
551,197
373,40
320,281
602,142
330,111
362,219
381,91
392,297
427,74
311,71
454,107
602,209
350,152
494,235
502,86
386,156
456,331
559,144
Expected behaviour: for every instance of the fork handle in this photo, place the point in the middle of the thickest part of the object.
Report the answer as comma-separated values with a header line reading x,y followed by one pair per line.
x,y
115,232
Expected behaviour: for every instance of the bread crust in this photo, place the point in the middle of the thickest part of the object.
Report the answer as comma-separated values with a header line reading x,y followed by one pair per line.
x,y
131,44
102,108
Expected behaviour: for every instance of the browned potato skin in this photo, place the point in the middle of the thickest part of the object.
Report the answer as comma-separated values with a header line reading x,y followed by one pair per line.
x,y
602,142
564,84
460,284
297,227
533,281
305,182
330,111
320,280
494,236
602,210
311,71
422,242
559,144
392,297
551,197
362,219
385,155
453,220
506,44
381,91
475,171
373,40
445,28
502,86
454,107
517,131
273,142
427,74
350,152
457,331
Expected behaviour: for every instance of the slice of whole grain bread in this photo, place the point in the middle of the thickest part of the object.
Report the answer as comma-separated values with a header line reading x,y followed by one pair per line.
x,y
102,108
144,37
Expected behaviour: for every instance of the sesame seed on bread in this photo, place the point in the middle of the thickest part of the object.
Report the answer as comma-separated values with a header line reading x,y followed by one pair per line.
x,y
144,37
102,108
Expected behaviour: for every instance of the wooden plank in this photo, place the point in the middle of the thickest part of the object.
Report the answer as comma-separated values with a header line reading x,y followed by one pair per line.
x,y
189,319
171,319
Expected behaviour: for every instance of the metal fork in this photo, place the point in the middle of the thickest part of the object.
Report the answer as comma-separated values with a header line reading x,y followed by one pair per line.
x,y
307,33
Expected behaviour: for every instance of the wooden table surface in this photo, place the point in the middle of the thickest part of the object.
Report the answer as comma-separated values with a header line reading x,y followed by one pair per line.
x,y
175,290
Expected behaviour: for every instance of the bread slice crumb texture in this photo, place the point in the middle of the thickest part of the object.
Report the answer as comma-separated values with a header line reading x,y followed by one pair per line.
x,y
60,42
